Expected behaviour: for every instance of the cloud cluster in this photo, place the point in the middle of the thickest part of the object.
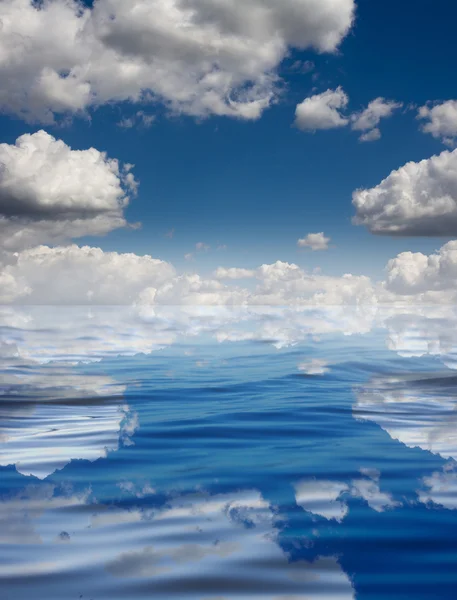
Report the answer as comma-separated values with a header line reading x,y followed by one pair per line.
x,y
51,193
367,120
440,121
199,57
327,111
84,275
73,275
420,198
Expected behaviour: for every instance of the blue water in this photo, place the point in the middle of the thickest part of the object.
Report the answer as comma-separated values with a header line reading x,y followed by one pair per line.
x,y
217,454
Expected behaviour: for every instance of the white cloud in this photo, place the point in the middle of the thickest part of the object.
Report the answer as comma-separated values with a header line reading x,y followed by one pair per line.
x,y
371,136
49,192
200,57
322,111
417,199
414,273
315,241
368,119
440,121
74,275
327,111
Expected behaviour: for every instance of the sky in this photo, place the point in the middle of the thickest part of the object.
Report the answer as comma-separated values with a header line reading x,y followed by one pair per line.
x,y
247,128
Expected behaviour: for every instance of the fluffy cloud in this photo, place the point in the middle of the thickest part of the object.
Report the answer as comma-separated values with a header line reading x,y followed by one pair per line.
x,y
199,57
74,275
327,111
412,273
440,121
322,111
49,192
368,119
315,241
417,199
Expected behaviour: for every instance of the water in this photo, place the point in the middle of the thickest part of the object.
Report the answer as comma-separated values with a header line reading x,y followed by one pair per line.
x,y
222,454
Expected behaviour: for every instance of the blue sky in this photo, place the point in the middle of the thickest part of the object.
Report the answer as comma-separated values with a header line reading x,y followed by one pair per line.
x,y
258,186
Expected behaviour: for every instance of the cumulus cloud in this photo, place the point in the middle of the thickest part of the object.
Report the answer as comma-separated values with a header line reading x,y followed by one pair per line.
x,y
199,57
322,111
417,199
315,241
368,119
49,192
440,121
413,273
74,275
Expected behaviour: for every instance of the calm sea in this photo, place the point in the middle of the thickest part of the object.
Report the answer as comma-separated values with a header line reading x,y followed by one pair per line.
x,y
228,454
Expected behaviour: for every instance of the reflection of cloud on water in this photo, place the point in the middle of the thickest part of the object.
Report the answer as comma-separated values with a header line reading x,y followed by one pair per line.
x,y
328,499
21,512
51,415
322,498
196,546
419,411
440,488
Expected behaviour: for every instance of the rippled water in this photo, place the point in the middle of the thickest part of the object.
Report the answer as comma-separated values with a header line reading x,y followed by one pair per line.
x,y
217,454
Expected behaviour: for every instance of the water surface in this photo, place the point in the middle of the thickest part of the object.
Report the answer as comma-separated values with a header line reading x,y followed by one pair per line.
x,y
222,454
